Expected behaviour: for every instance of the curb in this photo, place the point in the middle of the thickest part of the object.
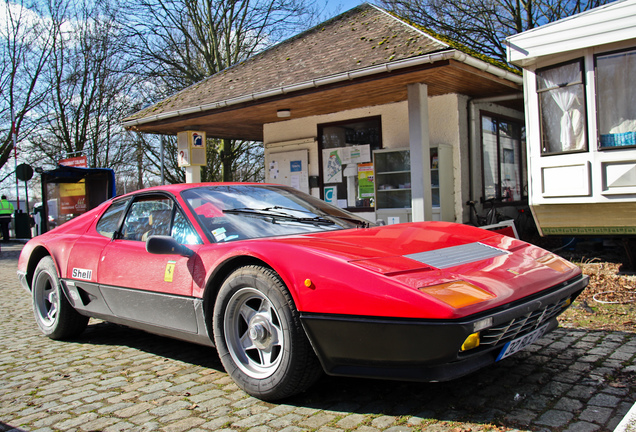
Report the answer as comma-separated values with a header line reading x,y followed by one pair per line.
x,y
628,424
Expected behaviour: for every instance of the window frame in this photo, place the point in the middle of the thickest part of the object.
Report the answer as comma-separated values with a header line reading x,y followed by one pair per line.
x,y
320,130
126,202
140,199
596,95
117,235
521,166
582,82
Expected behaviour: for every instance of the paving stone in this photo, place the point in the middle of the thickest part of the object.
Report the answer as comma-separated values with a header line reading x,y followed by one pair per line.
x,y
219,423
329,429
399,429
569,405
260,429
184,425
582,427
99,424
289,429
116,379
253,421
284,421
555,418
133,410
595,414
604,400
351,421
316,420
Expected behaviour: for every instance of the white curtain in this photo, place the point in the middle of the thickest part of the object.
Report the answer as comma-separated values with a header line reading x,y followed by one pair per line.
x,y
567,99
616,92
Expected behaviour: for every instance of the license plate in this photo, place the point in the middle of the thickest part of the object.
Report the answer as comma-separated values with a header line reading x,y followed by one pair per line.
x,y
518,344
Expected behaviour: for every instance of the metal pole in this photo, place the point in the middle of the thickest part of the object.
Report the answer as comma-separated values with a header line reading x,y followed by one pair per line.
x,y
161,147
15,148
26,191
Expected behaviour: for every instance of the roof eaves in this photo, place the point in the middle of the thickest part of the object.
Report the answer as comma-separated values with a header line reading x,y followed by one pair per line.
x,y
451,54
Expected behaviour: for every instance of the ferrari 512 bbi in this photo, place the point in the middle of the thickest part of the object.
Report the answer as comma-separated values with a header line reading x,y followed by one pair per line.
x,y
286,286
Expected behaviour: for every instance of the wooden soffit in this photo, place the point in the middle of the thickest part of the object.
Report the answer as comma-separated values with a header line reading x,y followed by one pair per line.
x,y
245,120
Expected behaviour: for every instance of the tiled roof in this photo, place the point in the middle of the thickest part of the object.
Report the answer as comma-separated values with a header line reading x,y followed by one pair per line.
x,y
362,37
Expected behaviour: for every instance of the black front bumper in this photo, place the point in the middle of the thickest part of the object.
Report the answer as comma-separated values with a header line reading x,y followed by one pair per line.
x,y
429,350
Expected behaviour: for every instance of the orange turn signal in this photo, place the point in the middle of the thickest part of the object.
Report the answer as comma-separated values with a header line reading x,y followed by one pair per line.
x,y
458,294
555,263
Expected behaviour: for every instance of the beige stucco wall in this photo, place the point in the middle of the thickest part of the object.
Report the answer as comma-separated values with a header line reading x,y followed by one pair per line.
x,y
448,124
395,129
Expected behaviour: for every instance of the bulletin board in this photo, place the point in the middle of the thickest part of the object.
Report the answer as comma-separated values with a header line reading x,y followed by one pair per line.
x,y
288,168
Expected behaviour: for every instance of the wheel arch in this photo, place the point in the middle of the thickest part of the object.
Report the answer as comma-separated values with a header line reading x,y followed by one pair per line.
x,y
36,256
216,279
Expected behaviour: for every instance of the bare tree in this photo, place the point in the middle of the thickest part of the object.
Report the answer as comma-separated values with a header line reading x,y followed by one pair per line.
x,y
88,86
177,43
25,47
483,25
247,162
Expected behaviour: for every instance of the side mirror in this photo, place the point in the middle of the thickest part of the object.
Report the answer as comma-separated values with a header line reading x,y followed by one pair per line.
x,y
166,245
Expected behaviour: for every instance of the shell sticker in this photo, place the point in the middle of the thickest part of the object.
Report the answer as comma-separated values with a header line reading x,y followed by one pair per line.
x,y
84,274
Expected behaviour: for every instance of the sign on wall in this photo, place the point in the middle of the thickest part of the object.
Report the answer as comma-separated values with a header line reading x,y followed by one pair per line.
x,y
288,168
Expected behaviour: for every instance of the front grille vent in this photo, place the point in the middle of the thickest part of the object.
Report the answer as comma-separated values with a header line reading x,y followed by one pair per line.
x,y
520,326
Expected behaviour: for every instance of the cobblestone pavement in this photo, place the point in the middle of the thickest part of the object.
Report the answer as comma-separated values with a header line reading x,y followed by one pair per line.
x,y
113,379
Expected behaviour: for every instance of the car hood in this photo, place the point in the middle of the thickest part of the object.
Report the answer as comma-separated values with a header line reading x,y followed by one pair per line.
x,y
428,254
405,247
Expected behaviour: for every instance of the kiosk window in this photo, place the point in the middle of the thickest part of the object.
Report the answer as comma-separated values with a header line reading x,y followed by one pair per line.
x,y
346,168
616,98
562,108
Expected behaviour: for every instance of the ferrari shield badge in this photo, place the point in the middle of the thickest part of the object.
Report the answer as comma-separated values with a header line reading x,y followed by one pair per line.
x,y
169,273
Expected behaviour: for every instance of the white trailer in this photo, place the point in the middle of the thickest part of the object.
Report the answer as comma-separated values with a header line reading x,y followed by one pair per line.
x,y
580,106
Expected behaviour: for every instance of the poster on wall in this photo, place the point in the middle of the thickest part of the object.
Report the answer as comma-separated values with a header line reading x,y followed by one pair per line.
x,y
356,154
72,198
273,170
366,188
332,165
288,168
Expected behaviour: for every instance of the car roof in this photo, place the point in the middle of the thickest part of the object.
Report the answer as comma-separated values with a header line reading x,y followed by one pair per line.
x,y
179,187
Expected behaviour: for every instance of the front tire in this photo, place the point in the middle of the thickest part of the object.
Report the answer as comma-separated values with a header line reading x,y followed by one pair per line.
x,y
53,313
259,337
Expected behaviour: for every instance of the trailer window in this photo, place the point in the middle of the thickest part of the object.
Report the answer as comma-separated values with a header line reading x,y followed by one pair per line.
x,y
562,108
616,99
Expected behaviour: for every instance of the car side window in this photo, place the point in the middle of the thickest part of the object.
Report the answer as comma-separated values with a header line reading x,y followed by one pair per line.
x,y
183,232
146,217
109,222
150,216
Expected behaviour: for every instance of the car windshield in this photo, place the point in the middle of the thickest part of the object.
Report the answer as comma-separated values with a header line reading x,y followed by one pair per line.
x,y
235,212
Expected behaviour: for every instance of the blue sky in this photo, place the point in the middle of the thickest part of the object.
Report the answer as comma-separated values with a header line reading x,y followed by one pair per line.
x,y
334,7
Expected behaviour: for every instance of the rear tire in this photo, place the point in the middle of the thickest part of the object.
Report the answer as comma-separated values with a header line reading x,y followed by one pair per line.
x,y
259,337
53,313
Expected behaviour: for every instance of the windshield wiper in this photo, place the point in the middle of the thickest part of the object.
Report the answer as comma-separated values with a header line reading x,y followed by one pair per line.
x,y
278,216
325,216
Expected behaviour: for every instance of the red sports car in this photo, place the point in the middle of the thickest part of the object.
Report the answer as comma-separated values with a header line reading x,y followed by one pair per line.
x,y
286,286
